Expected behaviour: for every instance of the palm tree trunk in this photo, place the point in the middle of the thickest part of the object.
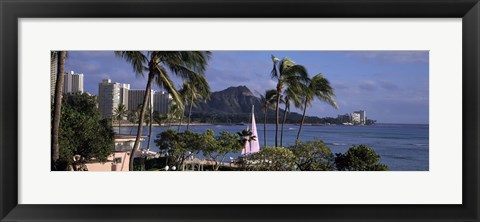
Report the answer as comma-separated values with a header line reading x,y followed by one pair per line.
x,y
277,108
265,127
149,132
57,105
283,123
119,126
141,120
181,120
303,119
190,112
169,122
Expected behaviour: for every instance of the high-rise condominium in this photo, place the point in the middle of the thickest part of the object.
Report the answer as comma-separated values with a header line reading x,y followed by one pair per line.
x,y
110,95
363,116
161,102
53,72
135,98
73,82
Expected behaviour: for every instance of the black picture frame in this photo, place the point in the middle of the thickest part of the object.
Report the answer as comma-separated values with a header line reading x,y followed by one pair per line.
x,y
12,10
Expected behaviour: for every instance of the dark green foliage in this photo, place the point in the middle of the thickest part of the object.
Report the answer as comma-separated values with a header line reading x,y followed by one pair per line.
x,y
82,103
157,163
215,149
139,164
272,159
246,136
359,158
313,156
179,145
82,131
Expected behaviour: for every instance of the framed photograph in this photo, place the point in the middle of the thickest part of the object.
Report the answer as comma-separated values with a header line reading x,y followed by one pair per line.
x,y
268,110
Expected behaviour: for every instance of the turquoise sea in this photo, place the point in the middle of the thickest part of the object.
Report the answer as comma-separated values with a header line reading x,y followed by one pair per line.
x,y
403,147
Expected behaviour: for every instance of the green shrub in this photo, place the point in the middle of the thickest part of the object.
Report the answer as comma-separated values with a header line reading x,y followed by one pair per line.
x,y
359,158
272,159
313,156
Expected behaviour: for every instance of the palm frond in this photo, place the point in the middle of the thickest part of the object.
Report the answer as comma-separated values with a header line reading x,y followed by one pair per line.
x,y
193,61
321,88
296,73
136,58
274,73
162,78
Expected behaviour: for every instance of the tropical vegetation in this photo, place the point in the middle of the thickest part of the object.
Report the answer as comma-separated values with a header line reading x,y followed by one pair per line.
x,y
313,156
288,75
359,158
119,113
215,149
272,159
268,102
193,90
318,87
80,114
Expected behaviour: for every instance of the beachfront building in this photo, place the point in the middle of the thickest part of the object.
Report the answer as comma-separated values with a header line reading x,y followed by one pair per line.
x,y
73,82
363,116
355,118
119,160
110,95
53,72
161,102
135,98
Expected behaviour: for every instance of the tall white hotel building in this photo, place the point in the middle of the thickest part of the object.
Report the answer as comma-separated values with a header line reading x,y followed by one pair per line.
x,y
73,82
110,95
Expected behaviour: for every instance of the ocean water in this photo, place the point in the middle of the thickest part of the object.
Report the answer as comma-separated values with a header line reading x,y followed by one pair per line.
x,y
403,147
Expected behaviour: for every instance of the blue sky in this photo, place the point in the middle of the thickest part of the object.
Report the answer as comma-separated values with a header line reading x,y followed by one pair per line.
x,y
392,86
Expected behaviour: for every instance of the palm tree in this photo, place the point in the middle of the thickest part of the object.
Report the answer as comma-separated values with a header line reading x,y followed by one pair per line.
x,y
288,74
194,90
268,102
246,136
159,118
291,96
57,103
183,95
133,117
149,118
174,111
119,112
184,64
319,87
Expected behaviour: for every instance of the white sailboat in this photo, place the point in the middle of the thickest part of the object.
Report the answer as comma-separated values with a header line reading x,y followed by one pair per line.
x,y
252,146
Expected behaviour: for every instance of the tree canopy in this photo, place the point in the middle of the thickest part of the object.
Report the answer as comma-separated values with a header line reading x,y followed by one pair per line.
x,y
217,148
80,114
272,159
359,158
179,145
313,156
